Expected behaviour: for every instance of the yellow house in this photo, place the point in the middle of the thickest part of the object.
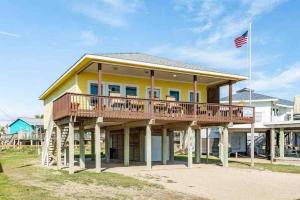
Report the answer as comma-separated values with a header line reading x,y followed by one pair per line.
x,y
137,100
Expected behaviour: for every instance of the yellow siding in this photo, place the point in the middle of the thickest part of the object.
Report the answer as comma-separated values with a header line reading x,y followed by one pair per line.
x,y
142,84
81,85
68,86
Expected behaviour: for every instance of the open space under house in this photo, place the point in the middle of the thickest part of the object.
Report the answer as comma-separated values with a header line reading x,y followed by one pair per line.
x,y
136,101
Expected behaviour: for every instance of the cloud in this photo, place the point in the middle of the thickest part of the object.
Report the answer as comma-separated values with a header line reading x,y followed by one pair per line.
x,y
9,34
89,38
210,16
278,82
215,31
230,59
110,12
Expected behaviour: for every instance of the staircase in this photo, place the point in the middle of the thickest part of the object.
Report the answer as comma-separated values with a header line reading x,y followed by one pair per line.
x,y
49,156
260,145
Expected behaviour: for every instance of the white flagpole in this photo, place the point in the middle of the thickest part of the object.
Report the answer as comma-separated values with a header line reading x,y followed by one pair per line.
x,y
250,61
250,92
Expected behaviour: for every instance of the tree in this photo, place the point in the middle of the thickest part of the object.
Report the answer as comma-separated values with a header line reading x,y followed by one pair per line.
x,y
37,116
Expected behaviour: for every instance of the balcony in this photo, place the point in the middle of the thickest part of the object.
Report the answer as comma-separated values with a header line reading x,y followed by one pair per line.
x,y
109,107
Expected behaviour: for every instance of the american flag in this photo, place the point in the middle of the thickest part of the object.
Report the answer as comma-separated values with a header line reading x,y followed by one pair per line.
x,y
243,39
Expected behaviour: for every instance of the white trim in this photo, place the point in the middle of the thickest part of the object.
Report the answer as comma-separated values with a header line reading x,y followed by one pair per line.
x,y
114,83
175,90
155,88
285,106
189,94
89,82
259,100
132,85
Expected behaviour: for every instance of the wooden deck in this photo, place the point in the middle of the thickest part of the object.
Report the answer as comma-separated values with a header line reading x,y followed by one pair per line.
x,y
90,106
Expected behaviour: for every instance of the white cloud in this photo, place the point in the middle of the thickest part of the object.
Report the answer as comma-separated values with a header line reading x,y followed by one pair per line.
x,y
216,30
9,34
230,59
280,81
111,12
89,38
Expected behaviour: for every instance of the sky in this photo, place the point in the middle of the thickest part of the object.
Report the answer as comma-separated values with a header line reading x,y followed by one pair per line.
x,y
39,40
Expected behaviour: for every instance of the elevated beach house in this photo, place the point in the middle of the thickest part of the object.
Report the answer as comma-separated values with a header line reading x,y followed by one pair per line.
x,y
24,130
137,101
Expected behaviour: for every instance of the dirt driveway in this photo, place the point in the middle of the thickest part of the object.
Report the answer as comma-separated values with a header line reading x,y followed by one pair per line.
x,y
215,182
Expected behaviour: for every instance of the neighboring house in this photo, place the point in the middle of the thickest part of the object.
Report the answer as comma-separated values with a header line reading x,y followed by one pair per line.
x,y
138,101
268,110
26,125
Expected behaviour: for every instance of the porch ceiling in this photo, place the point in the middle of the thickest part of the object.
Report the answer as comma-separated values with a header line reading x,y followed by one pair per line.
x,y
159,75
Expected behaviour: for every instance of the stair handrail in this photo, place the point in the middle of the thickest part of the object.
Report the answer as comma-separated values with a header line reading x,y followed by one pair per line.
x,y
45,153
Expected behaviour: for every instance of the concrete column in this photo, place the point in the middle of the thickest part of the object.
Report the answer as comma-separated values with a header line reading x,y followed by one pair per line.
x,y
190,150
148,147
171,143
107,145
281,143
221,144
252,145
272,144
225,148
92,145
142,146
198,145
65,157
81,147
97,147
207,145
58,146
165,146
71,148
126,145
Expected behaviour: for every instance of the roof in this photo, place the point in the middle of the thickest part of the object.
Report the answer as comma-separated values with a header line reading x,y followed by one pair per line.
x,y
244,94
143,61
30,121
146,58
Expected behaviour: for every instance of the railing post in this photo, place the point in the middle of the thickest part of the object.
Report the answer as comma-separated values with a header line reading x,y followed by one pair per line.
x,y
152,92
195,95
99,88
230,100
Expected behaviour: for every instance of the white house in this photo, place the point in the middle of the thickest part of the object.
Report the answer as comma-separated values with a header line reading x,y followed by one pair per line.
x,y
268,110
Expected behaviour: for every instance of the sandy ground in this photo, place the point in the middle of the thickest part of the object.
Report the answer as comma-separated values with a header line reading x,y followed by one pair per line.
x,y
215,182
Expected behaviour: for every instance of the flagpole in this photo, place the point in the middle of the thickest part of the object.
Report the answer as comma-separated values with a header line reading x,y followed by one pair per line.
x,y
250,62
250,93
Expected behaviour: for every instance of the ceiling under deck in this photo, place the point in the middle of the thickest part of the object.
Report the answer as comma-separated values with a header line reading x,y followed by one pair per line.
x,y
159,75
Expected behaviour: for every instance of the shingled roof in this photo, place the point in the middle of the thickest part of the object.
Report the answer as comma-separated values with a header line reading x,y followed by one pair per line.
x,y
146,58
30,121
244,94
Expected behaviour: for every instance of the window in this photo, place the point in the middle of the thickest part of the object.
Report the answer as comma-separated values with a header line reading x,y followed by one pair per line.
x,y
94,89
175,93
156,93
192,97
258,116
131,90
114,89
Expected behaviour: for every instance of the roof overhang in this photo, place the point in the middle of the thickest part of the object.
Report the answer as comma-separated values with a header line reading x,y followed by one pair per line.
x,y
87,59
283,124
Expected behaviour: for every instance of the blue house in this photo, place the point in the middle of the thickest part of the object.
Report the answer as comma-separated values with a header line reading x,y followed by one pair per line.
x,y
26,125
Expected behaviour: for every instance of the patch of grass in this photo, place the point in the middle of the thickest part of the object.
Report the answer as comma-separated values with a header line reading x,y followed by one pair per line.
x,y
258,166
267,166
19,168
211,159
10,189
